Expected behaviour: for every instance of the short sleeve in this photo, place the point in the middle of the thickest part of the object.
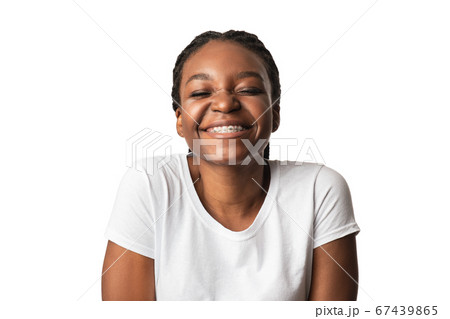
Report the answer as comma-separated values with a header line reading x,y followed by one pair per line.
x,y
131,224
334,216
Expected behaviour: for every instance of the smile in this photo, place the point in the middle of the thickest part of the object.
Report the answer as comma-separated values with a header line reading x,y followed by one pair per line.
x,y
226,129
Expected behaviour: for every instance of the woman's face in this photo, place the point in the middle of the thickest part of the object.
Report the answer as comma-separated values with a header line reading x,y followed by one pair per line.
x,y
225,88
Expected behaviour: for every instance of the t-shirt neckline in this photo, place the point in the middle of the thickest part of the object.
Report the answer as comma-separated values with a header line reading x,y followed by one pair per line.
x,y
213,224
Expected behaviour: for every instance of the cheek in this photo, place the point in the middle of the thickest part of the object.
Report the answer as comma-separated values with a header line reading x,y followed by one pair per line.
x,y
194,110
190,127
264,123
257,104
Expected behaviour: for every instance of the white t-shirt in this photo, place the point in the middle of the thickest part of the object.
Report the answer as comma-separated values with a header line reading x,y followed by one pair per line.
x,y
160,215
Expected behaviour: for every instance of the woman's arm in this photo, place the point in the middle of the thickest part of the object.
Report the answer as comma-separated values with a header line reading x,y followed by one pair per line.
x,y
130,278
329,282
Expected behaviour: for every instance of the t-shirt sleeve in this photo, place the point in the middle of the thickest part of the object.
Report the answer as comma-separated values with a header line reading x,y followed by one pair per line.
x,y
131,224
334,216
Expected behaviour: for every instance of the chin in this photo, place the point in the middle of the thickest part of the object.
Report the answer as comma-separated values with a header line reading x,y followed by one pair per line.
x,y
225,157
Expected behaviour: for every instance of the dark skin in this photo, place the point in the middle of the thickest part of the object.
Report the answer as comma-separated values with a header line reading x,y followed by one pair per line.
x,y
130,278
221,94
329,281
226,97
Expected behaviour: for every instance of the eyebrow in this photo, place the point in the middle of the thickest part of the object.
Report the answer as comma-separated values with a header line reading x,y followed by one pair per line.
x,y
240,75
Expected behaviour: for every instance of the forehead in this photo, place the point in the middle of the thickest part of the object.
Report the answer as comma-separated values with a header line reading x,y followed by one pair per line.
x,y
223,57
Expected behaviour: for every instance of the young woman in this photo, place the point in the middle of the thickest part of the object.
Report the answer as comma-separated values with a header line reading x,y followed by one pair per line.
x,y
222,223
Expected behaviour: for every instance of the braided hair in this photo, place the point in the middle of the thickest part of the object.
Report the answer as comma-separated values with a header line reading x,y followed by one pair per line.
x,y
247,40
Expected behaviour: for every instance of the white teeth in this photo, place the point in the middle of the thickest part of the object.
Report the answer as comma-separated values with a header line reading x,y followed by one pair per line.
x,y
226,129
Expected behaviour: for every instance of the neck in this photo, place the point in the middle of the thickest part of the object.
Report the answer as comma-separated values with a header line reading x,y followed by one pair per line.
x,y
229,192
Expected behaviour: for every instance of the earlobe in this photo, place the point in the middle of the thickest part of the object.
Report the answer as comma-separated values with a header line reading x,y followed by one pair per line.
x,y
179,123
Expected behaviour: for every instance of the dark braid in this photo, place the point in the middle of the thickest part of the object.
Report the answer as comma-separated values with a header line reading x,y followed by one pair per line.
x,y
247,40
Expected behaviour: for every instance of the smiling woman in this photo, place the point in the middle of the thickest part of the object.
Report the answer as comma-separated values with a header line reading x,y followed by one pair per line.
x,y
218,223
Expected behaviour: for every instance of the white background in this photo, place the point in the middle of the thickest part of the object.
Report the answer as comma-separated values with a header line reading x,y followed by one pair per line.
x,y
372,91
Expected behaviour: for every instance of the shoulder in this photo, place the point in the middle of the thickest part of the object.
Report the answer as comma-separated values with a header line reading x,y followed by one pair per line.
x,y
318,177
331,189
328,177
304,173
153,173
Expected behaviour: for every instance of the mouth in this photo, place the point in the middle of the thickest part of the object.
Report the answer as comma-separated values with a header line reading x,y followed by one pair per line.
x,y
226,126
227,129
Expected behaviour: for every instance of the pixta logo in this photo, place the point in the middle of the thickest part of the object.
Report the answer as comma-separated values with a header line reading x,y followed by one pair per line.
x,y
281,148
148,150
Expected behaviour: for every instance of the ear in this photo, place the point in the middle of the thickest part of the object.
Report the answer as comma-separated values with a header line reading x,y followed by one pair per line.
x,y
275,117
178,113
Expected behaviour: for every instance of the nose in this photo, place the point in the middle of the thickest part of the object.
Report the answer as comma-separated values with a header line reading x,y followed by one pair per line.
x,y
225,101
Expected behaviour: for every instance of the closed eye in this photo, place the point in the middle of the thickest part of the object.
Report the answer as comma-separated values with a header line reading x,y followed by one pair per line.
x,y
251,91
196,94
